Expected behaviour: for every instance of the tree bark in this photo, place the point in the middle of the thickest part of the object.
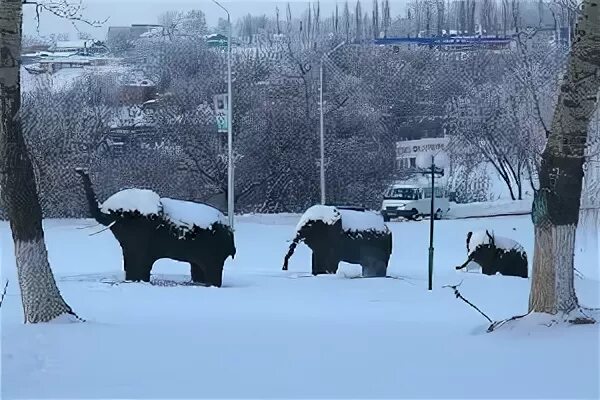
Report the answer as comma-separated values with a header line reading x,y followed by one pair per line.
x,y
556,204
41,298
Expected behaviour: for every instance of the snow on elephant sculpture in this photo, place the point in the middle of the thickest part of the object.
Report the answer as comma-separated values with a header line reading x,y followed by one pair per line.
x,y
495,254
150,228
350,234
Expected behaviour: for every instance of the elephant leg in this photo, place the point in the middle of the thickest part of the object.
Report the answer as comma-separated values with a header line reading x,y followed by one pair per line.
x,y
214,274
137,266
488,268
318,264
324,264
374,268
146,269
373,263
197,272
331,265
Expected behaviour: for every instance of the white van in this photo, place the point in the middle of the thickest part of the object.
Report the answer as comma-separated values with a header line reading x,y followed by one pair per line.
x,y
413,201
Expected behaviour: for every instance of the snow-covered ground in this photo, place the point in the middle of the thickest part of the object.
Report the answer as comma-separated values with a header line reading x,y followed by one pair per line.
x,y
498,207
64,78
267,334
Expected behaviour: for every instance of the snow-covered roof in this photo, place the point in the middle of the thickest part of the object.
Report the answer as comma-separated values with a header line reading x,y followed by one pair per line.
x,y
187,214
214,36
145,201
406,186
62,54
131,116
73,44
481,238
352,220
154,32
141,82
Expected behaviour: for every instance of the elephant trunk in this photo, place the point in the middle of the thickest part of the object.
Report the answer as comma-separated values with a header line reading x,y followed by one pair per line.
x,y
469,259
299,237
93,204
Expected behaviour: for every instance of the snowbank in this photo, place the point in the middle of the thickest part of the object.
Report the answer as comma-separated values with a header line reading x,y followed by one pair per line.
x,y
361,221
349,271
489,209
145,201
187,214
328,214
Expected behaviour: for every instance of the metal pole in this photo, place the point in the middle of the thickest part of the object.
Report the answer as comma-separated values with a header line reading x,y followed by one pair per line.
x,y
322,122
230,182
322,134
431,219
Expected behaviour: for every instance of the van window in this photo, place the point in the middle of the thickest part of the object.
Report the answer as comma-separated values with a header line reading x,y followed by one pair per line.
x,y
439,192
402,194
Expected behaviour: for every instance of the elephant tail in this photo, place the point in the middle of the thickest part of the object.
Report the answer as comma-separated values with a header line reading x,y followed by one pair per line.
x,y
299,237
93,204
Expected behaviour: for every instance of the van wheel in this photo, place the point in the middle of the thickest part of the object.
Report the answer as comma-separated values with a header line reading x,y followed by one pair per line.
x,y
437,215
416,216
386,218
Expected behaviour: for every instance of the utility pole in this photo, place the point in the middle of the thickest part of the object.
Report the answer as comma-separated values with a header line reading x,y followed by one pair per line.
x,y
322,120
432,164
230,170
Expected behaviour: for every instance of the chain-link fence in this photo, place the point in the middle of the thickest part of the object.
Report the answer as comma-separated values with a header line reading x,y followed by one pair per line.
x,y
147,119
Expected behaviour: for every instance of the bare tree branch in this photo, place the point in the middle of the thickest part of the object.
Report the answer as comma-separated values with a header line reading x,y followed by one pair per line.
x,y
66,9
460,296
3,293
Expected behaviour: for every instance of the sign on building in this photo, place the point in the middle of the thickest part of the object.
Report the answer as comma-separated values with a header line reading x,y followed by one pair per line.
x,y
220,101
407,151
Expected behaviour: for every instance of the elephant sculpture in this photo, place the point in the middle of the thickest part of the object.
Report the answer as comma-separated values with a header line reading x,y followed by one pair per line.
x,y
496,254
150,228
350,234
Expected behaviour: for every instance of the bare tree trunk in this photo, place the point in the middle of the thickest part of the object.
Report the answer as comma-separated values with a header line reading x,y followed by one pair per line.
x,y
557,202
440,16
41,298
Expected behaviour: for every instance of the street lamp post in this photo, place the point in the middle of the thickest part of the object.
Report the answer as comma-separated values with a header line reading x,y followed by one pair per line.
x,y
230,182
432,164
322,121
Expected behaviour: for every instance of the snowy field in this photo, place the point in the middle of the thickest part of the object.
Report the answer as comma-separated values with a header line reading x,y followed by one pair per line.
x,y
270,333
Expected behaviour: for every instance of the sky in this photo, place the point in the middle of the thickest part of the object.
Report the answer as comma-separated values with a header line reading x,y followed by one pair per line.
x,y
127,12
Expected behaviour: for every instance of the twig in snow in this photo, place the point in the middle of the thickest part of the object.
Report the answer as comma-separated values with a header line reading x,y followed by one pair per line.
x,y
3,293
498,324
460,296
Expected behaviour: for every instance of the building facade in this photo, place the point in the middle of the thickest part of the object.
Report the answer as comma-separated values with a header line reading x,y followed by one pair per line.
x,y
407,151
